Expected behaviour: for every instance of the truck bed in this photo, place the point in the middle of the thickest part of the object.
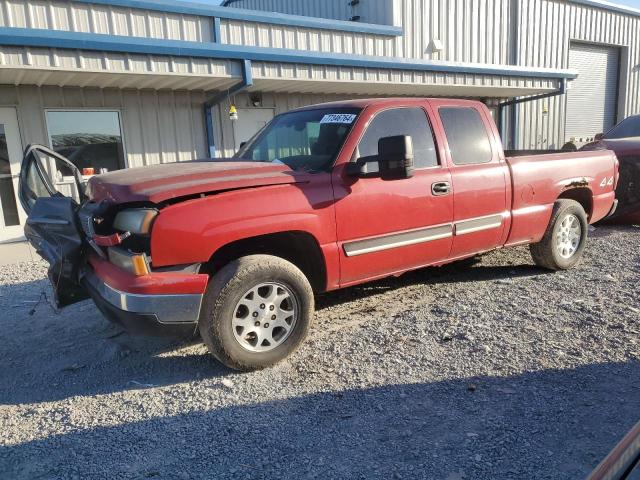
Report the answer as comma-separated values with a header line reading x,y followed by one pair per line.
x,y
526,153
538,179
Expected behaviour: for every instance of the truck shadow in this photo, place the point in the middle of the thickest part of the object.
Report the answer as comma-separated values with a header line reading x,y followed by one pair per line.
x,y
545,424
50,355
464,271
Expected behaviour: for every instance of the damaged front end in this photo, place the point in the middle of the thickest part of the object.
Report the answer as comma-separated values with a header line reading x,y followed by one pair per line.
x,y
100,249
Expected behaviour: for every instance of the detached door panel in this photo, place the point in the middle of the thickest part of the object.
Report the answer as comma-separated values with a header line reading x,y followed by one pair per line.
x,y
386,227
52,226
479,181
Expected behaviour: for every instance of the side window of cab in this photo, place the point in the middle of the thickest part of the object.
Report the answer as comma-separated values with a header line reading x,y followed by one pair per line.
x,y
467,135
411,121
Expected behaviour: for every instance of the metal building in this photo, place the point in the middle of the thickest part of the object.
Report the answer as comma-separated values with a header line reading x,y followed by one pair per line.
x,y
126,83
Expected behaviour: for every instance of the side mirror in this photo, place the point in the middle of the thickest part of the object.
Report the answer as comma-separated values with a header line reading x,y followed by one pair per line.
x,y
598,137
395,157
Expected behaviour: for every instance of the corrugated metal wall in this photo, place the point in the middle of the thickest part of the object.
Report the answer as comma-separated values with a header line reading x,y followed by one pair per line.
x,y
307,39
157,127
334,9
484,31
369,11
110,20
381,82
105,19
547,27
470,30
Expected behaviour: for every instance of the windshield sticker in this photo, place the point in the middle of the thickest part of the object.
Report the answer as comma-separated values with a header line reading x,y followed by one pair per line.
x,y
347,118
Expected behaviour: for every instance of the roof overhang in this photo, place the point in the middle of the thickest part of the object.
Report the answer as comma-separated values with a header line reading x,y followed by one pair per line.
x,y
378,89
29,75
99,60
99,79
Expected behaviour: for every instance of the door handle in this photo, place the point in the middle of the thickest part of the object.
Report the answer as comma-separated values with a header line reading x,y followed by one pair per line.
x,y
441,188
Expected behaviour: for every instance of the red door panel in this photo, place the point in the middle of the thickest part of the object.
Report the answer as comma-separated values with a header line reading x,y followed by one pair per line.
x,y
480,211
479,177
388,227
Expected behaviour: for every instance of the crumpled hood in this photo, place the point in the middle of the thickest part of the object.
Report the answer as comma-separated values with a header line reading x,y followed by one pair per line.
x,y
158,183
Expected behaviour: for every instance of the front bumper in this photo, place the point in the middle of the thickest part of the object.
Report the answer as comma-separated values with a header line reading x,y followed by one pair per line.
x,y
138,306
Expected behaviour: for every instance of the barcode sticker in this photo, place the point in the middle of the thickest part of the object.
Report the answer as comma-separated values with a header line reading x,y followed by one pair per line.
x,y
347,118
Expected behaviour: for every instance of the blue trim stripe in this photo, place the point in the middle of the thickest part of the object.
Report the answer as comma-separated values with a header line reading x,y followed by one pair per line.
x,y
202,9
152,46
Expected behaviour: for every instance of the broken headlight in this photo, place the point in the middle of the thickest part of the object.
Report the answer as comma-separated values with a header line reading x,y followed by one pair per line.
x,y
135,220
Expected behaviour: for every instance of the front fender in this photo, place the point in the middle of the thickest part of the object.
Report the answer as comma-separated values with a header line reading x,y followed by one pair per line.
x,y
192,231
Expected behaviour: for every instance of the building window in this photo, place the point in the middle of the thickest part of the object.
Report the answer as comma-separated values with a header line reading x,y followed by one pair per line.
x,y
89,139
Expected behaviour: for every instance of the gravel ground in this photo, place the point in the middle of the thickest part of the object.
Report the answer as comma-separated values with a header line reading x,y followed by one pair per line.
x,y
496,370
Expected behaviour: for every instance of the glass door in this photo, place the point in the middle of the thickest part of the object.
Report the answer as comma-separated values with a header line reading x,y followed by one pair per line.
x,y
12,216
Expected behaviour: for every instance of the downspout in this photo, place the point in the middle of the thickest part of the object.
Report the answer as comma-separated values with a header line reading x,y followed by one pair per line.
x,y
246,82
515,60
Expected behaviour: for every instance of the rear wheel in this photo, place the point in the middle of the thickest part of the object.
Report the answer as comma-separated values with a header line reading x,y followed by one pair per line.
x,y
564,241
257,310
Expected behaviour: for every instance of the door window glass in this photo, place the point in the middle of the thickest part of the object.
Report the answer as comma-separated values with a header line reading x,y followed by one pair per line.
x,y
401,121
47,175
88,139
466,134
7,192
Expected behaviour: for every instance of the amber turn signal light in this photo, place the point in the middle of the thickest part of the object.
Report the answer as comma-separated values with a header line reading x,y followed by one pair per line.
x,y
139,263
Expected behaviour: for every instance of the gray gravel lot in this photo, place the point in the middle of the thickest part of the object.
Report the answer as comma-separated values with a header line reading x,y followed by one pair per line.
x,y
495,370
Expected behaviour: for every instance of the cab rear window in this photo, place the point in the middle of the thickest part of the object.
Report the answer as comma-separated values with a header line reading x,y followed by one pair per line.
x,y
466,135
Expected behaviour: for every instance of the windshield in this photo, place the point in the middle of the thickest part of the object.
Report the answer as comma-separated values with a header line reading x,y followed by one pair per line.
x,y
625,129
307,140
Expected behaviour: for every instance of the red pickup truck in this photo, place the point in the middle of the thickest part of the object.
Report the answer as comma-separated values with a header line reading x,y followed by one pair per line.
x,y
322,198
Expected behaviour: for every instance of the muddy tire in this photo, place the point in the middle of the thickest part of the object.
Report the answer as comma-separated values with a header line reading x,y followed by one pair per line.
x,y
257,310
564,241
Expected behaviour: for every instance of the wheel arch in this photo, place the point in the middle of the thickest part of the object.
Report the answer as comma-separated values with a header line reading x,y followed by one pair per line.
x,y
582,195
298,247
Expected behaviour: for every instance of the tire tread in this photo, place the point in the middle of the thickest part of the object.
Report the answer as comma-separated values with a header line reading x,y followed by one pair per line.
x,y
224,284
542,252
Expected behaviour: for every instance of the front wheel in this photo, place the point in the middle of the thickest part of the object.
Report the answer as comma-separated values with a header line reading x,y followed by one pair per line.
x,y
564,241
257,311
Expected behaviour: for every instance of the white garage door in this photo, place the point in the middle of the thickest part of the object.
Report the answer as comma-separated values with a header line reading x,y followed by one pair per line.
x,y
593,96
